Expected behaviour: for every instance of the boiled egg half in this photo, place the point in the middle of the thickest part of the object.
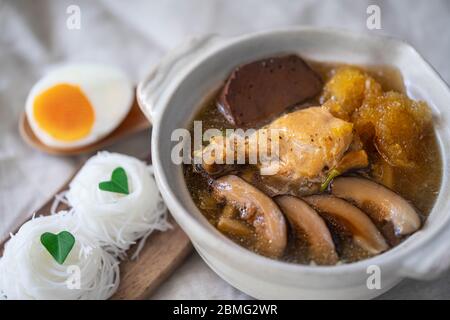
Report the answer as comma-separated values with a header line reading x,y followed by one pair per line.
x,y
76,105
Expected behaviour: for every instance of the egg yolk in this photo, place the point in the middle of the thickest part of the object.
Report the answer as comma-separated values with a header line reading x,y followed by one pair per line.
x,y
64,112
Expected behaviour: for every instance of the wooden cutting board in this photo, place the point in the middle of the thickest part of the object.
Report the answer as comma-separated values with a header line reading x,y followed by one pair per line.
x,y
162,254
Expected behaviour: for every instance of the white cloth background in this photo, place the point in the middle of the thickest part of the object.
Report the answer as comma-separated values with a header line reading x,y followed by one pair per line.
x,y
134,35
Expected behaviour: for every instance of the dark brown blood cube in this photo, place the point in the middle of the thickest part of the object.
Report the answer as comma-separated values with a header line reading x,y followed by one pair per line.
x,y
258,91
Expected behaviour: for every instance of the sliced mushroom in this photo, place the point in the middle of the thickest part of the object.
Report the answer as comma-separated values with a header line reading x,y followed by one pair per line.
x,y
350,218
234,227
229,211
257,209
380,203
311,227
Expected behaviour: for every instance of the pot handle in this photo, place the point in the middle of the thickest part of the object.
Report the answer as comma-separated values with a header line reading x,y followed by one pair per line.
x,y
432,262
151,89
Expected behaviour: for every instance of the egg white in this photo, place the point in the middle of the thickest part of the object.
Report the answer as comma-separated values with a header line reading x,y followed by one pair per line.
x,y
108,90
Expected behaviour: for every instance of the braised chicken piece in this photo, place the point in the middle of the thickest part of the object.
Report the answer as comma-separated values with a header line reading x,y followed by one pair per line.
x,y
310,142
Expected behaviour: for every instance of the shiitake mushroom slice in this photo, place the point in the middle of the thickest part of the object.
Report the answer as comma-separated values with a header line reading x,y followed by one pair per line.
x,y
380,203
363,231
257,209
234,227
308,225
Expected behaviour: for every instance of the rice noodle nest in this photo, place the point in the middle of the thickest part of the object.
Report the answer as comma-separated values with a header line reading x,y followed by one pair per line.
x,y
117,220
28,271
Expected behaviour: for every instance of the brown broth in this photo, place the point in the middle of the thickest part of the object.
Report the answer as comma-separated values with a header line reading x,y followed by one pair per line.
x,y
420,185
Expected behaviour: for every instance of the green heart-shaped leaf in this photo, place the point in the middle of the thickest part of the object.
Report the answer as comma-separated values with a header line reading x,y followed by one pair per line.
x,y
118,182
58,245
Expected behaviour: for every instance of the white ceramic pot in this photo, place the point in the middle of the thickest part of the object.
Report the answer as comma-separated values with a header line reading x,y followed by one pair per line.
x,y
171,95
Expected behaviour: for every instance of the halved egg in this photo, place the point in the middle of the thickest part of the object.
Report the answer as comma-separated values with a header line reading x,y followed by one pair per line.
x,y
76,105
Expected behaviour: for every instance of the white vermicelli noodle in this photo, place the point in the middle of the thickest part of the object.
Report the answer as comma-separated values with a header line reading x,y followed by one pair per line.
x,y
117,220
28,271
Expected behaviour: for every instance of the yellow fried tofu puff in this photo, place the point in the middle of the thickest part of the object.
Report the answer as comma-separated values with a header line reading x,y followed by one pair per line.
x,y
396,124
392,121
346,90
